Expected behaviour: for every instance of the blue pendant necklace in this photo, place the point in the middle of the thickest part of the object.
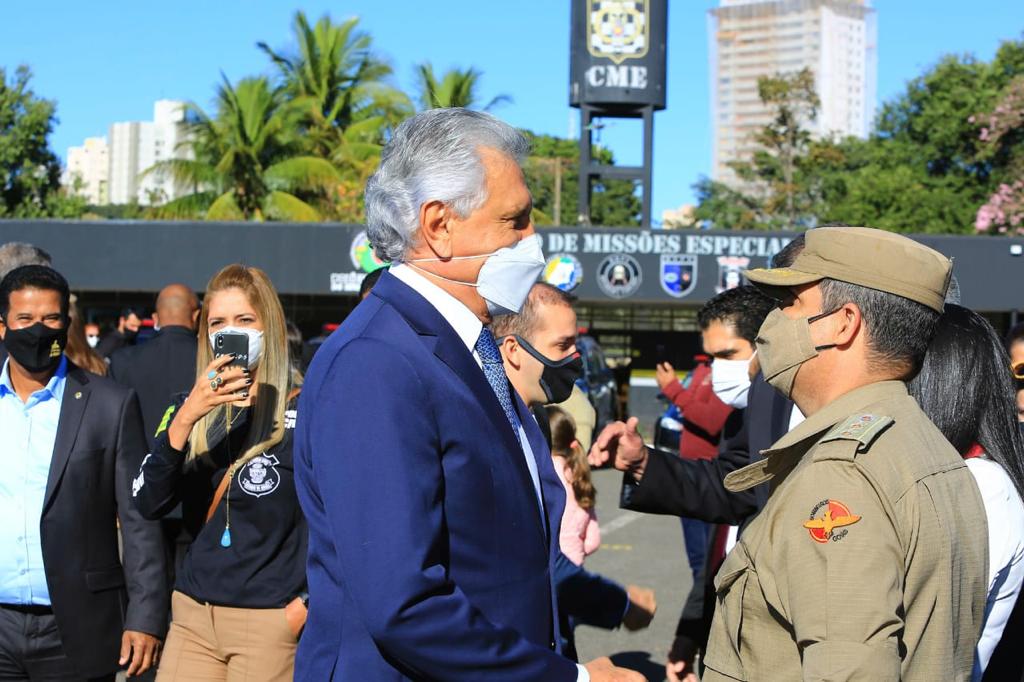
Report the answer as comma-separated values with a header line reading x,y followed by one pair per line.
x,y
225,537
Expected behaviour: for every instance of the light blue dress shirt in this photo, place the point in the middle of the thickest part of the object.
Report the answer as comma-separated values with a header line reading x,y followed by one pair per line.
x,y
29,431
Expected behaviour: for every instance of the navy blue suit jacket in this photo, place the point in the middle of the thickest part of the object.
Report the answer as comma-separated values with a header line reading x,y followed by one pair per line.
x,y
428,555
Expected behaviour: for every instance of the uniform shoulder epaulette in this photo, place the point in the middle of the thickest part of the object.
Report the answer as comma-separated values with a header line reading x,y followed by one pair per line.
x,y
863,428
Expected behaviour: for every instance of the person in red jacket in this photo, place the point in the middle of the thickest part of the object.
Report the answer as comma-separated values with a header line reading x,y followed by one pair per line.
x,y
704,415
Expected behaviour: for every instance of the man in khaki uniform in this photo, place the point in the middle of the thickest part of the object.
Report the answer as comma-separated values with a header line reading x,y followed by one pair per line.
x,y
869,561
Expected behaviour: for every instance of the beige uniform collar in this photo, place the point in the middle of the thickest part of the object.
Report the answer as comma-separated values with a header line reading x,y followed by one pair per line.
x,y
814,426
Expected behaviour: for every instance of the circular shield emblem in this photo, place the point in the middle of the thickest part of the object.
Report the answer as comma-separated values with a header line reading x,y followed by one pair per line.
x,y
259,476
563,271
619,275
362,254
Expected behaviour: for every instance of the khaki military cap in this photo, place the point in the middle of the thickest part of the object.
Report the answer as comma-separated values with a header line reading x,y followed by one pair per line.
x,y
868,257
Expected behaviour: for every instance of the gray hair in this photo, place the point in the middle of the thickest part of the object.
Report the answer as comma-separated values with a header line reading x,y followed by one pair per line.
x,y
15,254
432,156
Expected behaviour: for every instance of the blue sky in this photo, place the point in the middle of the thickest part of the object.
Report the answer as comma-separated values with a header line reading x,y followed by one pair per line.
x,y
109,61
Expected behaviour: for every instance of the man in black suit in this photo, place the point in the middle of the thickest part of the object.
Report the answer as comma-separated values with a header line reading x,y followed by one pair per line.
x,y
125,334
165,365
14,255
70,608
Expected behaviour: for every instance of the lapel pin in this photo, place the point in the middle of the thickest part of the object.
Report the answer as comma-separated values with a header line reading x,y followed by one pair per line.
x,y
78,395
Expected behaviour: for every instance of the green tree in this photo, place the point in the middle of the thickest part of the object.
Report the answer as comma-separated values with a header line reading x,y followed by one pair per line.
x,y
248,163
29,170
455,88
339,87
553,168
337,81
928,167
935,159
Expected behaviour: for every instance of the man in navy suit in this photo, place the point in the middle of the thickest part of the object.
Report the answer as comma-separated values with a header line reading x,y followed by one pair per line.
x,y
433,507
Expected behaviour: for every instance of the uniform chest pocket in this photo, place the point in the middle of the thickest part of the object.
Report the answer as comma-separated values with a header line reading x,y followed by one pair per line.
x,y
724,646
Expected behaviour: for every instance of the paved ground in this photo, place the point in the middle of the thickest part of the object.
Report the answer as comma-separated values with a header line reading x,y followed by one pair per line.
x,y
643,550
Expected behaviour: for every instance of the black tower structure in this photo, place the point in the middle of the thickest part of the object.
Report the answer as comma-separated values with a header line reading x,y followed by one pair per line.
x,y
617,70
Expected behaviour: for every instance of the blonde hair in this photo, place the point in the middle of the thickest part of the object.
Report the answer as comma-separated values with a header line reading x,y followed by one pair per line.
x,y
78,350
267,422
564,444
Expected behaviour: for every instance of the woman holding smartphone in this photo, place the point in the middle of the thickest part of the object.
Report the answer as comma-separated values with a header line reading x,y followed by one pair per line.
x,y
224,452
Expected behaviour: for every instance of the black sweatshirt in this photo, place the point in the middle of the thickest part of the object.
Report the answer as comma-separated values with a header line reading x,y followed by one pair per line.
x,y
265,564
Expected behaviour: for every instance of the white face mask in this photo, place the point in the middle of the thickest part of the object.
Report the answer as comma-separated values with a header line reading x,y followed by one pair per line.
x,y
507,276
93,341
730,380
255,342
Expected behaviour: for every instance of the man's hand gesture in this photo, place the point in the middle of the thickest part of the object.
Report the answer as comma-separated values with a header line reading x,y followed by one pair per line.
x,y
621,444
603,670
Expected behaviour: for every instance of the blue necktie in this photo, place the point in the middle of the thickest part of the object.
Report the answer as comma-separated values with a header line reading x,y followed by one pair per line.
x,y
494,370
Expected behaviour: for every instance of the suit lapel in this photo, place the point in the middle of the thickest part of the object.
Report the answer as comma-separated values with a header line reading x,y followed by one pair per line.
x,y
552,492
450,349
72,409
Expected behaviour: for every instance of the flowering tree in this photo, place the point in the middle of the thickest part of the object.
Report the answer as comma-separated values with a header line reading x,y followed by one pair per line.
x,y
1002,134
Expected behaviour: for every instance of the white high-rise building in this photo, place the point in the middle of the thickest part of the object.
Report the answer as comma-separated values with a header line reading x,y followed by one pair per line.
x,y
88,168
748,39
136,146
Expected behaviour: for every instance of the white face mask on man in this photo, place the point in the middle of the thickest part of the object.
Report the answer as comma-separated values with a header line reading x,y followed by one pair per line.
x,y
506,278
730,380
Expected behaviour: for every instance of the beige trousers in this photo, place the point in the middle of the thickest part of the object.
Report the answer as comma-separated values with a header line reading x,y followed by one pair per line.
x,y
219,643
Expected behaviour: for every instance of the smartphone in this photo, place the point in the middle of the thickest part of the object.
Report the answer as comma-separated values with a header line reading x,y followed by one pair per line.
x,y
660,355
233,343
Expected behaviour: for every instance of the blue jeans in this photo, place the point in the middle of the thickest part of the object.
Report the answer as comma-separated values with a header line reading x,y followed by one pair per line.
x,y
696,535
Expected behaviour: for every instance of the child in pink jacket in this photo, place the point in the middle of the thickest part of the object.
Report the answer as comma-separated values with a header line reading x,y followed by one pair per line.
x,y
580,535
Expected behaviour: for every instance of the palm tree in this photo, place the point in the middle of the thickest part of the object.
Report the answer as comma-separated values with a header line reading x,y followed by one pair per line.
x,y
337,82
248,164
455,88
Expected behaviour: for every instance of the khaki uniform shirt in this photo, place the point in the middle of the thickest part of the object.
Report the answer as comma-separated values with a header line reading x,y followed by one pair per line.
x,y
869,561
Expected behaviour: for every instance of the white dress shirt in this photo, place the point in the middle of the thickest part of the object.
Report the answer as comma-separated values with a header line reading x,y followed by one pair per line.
x,y
1005,514
468,327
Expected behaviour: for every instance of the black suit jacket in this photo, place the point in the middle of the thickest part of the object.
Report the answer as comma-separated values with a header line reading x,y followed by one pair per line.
x,y
95,595
157,370
695,488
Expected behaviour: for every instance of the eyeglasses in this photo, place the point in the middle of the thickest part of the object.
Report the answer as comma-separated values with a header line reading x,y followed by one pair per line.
x,y
1018,370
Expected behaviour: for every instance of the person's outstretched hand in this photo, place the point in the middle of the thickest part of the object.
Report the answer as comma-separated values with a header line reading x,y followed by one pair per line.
x,y
621,444
642,606
603,670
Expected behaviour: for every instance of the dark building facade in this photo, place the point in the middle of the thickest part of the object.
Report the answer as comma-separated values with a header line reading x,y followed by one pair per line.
x,y
636,288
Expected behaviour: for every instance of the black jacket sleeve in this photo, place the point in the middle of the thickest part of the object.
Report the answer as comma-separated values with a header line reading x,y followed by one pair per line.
x,y
156,489
694,488
144,560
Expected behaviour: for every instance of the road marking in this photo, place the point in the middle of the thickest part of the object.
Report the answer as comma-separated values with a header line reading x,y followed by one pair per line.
x,y
619,522
621,548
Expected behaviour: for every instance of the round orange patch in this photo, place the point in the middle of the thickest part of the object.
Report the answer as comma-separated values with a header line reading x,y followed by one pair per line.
x,y
826,518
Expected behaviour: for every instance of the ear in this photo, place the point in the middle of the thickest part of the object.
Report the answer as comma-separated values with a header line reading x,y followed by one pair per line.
x,y
510,351
3,329
156,320
848,325
195,318
435,229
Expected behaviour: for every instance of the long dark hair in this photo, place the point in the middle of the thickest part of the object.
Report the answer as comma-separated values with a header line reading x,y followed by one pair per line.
x,y
965,388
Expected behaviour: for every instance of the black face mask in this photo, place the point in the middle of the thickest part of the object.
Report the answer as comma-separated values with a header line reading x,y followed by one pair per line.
x,y
559,375
37,348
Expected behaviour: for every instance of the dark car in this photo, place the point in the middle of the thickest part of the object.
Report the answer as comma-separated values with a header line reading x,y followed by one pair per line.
x,y
598,382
